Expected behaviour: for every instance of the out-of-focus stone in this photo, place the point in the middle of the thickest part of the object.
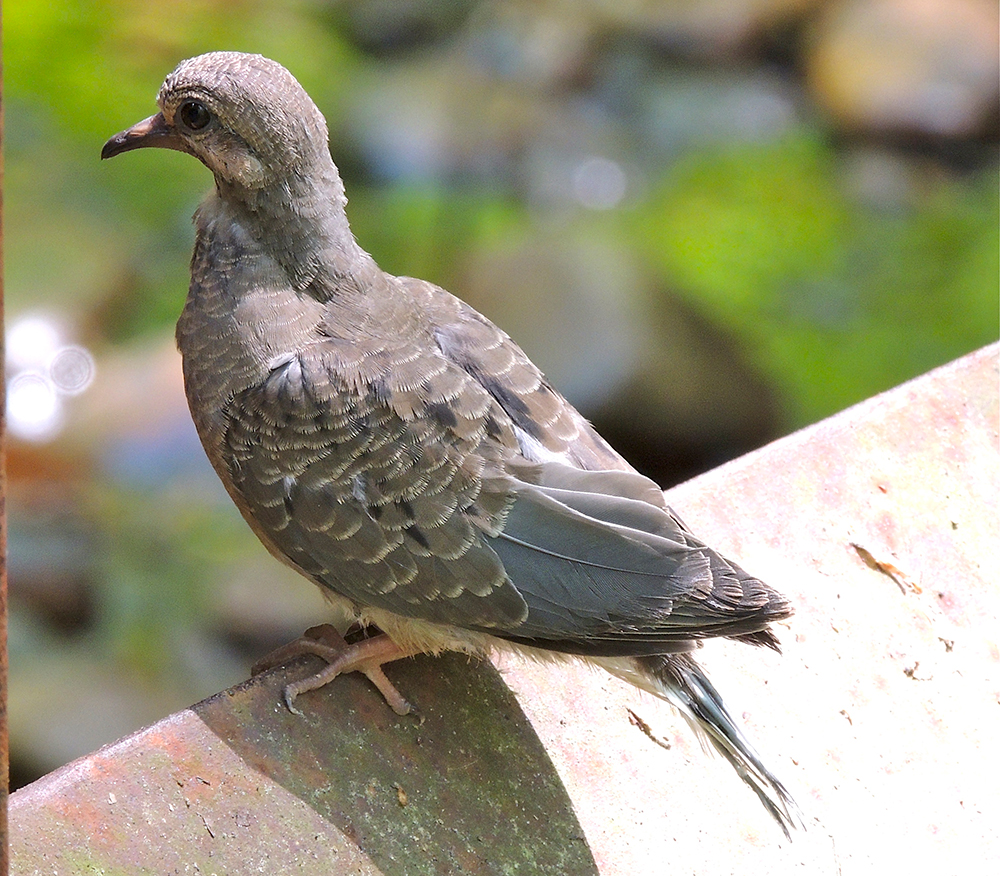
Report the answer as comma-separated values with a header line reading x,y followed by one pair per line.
x,y
382,26
925,67
707,27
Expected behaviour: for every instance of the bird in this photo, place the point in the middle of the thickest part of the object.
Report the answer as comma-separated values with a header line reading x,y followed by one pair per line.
x,y
394,446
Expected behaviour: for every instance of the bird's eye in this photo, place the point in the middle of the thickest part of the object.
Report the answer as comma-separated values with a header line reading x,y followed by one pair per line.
x,y
194,115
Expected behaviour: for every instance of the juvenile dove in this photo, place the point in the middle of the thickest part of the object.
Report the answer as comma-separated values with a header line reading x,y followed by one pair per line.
x,y
399,450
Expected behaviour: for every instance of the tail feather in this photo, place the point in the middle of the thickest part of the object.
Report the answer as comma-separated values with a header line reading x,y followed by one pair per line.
x,y
683,683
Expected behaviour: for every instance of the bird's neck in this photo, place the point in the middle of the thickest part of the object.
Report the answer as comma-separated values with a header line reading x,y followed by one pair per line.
x,y
303,225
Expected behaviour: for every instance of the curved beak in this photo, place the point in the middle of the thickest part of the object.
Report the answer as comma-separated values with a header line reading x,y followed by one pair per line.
x,y
153,131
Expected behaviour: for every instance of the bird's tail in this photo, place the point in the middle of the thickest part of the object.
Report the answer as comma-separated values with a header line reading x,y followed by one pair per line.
x,y
683,683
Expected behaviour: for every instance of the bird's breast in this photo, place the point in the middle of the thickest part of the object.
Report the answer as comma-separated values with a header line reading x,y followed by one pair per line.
x,y
241,320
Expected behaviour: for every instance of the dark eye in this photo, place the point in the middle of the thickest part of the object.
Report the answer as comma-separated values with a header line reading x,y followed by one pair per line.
x,y
194,115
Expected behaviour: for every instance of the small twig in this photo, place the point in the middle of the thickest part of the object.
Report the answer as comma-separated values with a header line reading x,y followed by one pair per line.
x,y
636,721
888,568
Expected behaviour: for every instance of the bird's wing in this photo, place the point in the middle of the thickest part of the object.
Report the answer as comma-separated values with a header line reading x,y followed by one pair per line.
x,y
604,565
368,468
603,571
546,425
446,482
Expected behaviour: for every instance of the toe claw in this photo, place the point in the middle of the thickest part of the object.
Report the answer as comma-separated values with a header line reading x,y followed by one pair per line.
x,y
289,696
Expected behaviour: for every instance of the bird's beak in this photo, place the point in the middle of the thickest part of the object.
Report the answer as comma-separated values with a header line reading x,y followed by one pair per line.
x,y
153,131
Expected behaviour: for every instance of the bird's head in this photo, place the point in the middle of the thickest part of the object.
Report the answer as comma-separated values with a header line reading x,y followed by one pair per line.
x,y
243,116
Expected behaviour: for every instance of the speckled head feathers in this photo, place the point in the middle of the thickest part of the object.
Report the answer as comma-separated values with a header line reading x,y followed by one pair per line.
x,y
245,116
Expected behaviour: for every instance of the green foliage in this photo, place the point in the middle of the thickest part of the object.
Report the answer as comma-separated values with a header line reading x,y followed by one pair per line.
x,y
425,231
835,299
179,544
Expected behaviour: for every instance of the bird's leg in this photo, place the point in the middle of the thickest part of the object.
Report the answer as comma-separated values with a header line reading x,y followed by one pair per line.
x,y
323,641
365,656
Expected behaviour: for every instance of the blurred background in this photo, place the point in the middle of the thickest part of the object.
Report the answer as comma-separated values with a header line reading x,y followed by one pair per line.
x,y
710,222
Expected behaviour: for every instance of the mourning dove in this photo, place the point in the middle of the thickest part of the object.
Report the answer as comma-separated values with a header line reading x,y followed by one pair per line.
x,y
399,450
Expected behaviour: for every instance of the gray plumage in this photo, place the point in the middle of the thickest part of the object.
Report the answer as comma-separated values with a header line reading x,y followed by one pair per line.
x,y
401,451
